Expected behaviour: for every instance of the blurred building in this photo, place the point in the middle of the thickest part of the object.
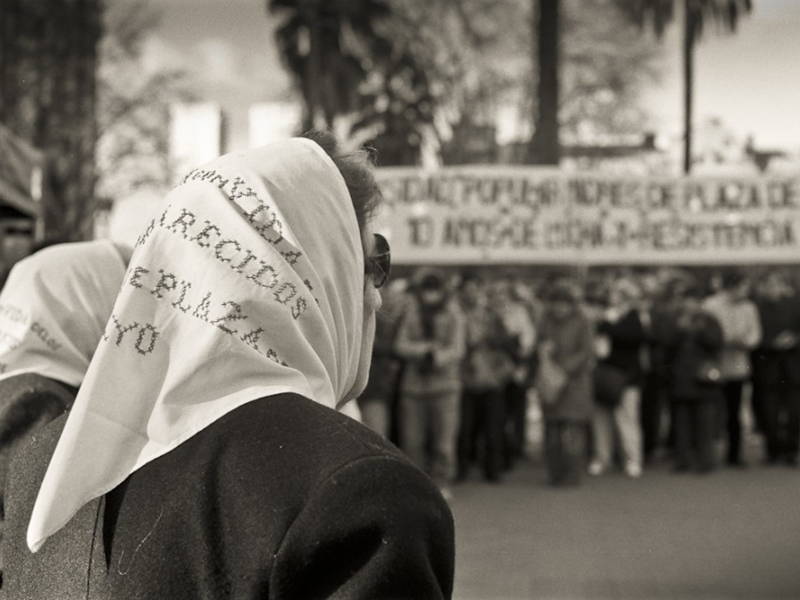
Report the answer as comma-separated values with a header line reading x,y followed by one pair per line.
x,y
273,121
197,135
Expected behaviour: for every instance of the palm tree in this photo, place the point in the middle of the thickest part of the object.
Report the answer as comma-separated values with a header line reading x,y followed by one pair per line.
x,y
357,64
724,14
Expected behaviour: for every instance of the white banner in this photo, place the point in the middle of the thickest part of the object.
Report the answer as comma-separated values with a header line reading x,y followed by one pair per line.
x,y
524,215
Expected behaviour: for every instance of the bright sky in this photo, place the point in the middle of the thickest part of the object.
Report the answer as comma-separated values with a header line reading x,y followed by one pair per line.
x,y
751,80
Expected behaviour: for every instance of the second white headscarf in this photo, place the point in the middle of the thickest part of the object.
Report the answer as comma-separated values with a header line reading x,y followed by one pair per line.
x,y
54,307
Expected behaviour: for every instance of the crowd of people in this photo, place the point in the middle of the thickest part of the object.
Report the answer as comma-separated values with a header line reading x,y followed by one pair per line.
x,y
625,369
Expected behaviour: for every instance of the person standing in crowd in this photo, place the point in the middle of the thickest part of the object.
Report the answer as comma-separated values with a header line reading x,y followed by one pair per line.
x,y
666,307
207,433
53,312
741,328
653,381
566,336
623,329
696,377
487,367
515,316
431,340
376,399
776,369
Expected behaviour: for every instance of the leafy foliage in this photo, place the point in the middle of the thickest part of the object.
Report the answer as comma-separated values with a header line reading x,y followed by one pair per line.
x,y
398,72
724,15
133,105
358,62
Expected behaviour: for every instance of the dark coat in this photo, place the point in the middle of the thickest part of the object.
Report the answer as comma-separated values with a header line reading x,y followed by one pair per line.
x,y
627,337
281,498
27,402
573,341
697,343
772,365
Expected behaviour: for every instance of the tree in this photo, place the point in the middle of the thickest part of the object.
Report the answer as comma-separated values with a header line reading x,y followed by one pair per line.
x,y
545,144
605,67
328,45
133,106
48,61
358,72
487,66
596,70
657,14
445,69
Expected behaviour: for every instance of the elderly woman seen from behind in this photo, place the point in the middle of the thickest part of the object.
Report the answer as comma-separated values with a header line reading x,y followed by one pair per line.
x,y
204,456
53,310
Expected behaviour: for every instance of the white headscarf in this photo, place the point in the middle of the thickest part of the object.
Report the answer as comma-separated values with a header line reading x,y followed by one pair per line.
x,y
54,307
248,283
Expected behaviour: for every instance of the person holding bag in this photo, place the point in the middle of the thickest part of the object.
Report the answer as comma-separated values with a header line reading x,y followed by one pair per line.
x,y
431,340
566,339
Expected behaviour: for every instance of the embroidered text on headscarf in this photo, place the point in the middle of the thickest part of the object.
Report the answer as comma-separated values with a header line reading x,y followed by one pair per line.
x,y
183,222
54,307
230,252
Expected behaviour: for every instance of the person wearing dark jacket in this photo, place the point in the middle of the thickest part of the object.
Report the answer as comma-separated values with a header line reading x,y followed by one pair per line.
x,y
204,456
623,329
696,378
776,377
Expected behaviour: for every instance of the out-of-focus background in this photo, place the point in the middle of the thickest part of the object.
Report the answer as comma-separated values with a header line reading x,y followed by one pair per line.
x,y
108,103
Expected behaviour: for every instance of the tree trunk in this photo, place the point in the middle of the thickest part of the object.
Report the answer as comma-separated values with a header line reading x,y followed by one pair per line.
x,y
312,79
48,67
545,145
688,83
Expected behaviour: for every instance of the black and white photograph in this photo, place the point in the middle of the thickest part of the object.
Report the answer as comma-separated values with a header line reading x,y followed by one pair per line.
x,y
400,299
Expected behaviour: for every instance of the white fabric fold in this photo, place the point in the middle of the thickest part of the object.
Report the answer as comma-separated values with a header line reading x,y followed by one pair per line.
x,y
241,287
54,307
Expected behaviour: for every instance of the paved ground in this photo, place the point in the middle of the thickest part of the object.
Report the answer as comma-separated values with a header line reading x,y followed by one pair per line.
x,y
731,534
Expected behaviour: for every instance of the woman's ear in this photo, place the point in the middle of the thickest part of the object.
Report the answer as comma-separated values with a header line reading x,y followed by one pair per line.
x,y
372,299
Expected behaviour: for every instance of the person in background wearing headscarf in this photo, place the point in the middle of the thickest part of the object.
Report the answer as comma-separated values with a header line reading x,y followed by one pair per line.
x,y
623,327
53,311
204,456
741,328
566,334
432,341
